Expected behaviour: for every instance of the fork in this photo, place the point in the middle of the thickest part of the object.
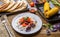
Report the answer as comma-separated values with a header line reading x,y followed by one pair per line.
x,y
3,20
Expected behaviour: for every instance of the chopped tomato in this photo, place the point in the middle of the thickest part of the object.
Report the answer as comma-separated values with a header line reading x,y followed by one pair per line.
x,y
21,20
31,22
29,19
32,4
24,25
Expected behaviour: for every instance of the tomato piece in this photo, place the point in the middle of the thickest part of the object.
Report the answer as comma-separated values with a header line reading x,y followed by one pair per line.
x,y
24,25
29,19
31,22
21,20
32,4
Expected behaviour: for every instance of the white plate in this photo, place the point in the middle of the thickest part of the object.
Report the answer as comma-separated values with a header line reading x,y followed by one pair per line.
x,y
35,17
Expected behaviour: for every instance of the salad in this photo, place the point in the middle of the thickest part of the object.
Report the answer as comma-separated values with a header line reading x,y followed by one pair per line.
x,y
26,24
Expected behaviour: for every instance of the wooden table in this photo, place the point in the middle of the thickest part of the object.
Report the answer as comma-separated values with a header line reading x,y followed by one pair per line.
x,y
41,33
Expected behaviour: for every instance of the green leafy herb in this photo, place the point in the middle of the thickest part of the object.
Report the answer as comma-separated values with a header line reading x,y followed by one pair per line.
x,y
55,2
25,18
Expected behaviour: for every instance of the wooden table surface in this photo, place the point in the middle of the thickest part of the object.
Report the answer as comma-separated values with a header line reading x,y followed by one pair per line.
x,y
41,33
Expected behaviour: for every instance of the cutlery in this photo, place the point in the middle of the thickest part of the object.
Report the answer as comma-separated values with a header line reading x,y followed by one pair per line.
x,y
0,29
3,20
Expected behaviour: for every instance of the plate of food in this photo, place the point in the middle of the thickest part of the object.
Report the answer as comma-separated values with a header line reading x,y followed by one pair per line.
x,y
49,10
26,23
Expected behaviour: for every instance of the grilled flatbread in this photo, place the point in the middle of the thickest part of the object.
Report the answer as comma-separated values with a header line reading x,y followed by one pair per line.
x,y
5,1
10,5
4,6
14,7
20,4
24,6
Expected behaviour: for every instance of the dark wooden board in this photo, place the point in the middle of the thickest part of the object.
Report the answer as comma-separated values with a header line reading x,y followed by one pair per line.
x,y
54,18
